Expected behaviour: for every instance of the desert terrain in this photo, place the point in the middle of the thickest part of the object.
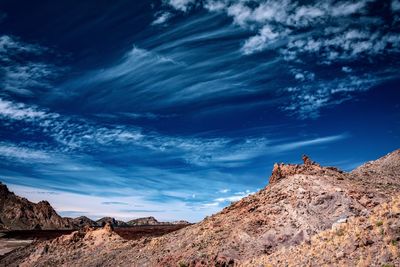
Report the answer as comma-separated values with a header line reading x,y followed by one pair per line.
x,y
308,215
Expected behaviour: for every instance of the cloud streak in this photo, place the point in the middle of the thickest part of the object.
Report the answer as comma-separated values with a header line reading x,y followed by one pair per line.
x,y
330,33
23,72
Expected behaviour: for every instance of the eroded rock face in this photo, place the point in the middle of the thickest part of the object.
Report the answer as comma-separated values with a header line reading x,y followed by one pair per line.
x,y
17,213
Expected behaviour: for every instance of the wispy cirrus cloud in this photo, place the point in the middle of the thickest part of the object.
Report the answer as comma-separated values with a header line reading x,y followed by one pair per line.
x,y
23,71
20,111
183,66
21,153
332,34
77,134
182,5
162,18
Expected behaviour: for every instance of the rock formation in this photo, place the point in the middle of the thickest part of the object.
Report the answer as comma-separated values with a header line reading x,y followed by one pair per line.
x,y
83,221
306,212
112,221
17,213
144,221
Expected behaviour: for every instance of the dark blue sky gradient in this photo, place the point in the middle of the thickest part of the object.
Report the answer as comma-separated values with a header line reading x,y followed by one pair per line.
x,y
177,108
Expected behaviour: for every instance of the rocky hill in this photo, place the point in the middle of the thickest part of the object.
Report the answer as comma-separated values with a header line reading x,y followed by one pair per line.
x,y
83,221
111,221
17,213
145,221
302,204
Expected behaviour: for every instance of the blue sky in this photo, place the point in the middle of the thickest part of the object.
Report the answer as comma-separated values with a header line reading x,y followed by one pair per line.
x,y
176,108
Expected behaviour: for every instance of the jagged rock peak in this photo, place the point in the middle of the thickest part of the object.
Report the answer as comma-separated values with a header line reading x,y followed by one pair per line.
x,y
309,167
308,162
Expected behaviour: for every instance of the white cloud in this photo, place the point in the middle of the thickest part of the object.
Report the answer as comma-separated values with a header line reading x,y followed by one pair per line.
x,y
182,5
23,76
347,8
395,5
74,134
215,5
260,41
11,46
162,18
310,142
22,153
346,69
235,197
307,99
348,45
302,75
240,13
19,111
277,20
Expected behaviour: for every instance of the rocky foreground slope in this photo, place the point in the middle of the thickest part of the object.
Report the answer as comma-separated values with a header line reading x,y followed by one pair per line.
x,y
361,241
279,223
17,213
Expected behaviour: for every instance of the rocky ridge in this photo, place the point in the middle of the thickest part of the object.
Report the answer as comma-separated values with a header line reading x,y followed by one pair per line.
x,y
301,203
17,213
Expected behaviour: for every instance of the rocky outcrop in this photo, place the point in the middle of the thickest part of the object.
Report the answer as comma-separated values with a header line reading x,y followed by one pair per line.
x,y
309,167
112,221
17,213
301,204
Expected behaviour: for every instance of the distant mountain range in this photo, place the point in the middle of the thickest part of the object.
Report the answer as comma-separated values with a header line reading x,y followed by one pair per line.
x,y
309,215
18,213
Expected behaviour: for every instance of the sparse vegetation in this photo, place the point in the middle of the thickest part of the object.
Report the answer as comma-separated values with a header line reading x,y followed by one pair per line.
x,y
340,232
